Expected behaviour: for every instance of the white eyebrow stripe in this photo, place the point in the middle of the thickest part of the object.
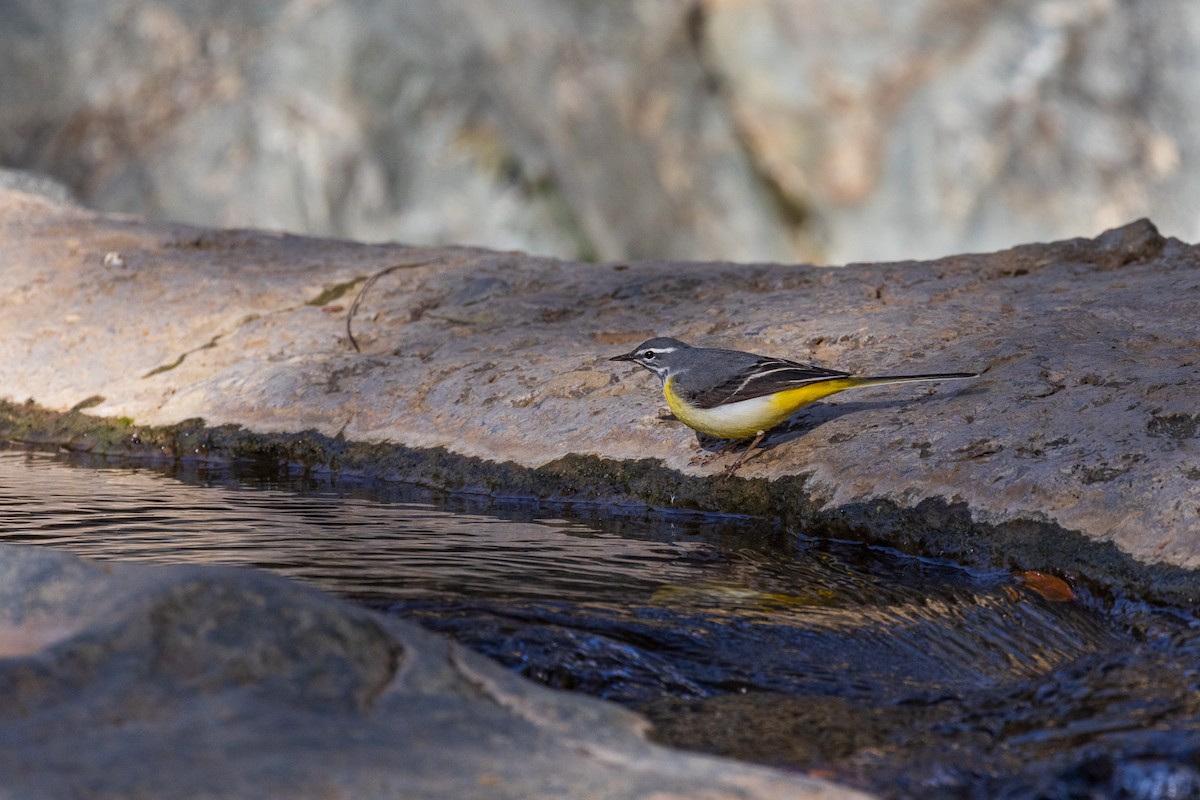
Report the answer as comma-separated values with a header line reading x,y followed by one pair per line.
x,y
658,350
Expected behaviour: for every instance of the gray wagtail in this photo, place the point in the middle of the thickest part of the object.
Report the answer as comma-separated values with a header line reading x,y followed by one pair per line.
x,y
731,394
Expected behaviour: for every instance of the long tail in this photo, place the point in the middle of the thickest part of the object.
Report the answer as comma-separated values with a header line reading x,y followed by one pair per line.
x,y
879,380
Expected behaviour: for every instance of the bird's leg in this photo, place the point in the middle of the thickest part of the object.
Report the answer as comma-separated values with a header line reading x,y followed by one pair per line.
x,y
732,468
706,456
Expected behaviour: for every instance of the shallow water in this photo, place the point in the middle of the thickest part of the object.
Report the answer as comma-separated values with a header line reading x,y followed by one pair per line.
x,y
907,676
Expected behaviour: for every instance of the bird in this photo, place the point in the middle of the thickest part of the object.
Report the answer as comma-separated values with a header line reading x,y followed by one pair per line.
x,y
736,395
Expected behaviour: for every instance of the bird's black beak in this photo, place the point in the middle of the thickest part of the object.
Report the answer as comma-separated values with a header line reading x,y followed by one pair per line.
x,y
623,357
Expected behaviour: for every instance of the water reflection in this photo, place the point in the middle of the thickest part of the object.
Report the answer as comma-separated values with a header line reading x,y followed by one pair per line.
x,y
334,539
907,676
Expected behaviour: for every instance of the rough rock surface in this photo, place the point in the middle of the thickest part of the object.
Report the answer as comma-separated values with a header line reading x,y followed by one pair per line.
x,y
152,682
1085,421
941,127
760,129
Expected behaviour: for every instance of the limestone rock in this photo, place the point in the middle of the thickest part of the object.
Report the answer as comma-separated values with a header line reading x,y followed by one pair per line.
x,y
424,121
33,183
777,130
150,682
1084,422
942,127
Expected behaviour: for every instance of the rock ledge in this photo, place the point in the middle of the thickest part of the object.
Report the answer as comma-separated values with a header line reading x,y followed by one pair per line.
x,y
488,371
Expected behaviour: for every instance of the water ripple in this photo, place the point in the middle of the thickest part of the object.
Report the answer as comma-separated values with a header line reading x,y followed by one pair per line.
x,y
905,675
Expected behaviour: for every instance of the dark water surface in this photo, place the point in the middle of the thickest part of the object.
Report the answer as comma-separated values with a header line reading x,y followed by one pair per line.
x,y
910,677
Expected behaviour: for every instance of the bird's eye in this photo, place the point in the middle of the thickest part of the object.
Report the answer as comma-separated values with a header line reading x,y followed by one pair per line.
x,y
648,355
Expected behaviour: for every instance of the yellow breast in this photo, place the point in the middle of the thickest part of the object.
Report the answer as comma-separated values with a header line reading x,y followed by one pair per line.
x,y
745,418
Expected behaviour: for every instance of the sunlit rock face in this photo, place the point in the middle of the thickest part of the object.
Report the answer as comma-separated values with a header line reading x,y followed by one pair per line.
x,y
1072,451
826,130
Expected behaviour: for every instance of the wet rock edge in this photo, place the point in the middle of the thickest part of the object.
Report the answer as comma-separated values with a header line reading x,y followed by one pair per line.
x,y
935,527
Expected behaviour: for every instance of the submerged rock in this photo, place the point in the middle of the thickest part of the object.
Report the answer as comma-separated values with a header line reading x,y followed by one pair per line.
x,y
1074,453
128,681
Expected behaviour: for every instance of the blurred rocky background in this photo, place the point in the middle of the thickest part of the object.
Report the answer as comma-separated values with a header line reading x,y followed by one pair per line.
x,y
791,130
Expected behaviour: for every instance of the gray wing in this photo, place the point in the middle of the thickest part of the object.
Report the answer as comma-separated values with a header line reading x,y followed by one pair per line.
x,y
762,377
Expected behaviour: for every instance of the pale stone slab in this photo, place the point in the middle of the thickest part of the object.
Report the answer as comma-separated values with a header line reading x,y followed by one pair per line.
x,y
1086,419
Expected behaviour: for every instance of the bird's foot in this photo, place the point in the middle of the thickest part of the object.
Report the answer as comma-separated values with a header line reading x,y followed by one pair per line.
x,y
733,468
705,457
710,449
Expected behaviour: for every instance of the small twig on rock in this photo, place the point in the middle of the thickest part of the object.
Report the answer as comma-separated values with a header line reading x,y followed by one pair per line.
x,y
369,283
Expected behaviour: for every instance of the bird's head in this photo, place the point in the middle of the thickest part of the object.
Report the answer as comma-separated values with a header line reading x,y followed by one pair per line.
x,y
659,355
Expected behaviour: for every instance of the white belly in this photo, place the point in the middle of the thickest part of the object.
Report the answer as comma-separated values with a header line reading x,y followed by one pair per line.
x,y
740,420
